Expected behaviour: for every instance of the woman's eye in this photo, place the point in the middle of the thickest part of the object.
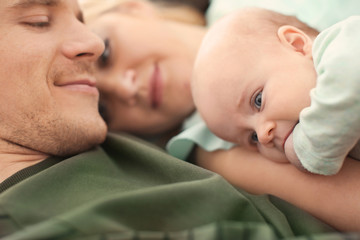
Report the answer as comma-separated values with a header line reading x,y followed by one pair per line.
x,y
104,58
254,138
258,100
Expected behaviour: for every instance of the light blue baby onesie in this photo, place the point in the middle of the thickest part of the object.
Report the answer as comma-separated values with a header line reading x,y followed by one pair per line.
x,y
330,127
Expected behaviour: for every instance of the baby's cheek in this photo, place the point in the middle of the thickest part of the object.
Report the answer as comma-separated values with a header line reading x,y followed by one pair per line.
x,y
273,154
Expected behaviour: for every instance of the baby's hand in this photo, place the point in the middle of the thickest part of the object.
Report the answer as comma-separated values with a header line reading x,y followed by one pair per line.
x,y
291,155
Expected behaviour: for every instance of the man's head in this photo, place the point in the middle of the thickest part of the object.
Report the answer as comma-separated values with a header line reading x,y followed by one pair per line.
x,y
252,78
48,100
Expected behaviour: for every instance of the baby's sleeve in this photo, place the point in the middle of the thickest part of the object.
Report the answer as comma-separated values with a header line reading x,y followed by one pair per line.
x,y
195,133
330,127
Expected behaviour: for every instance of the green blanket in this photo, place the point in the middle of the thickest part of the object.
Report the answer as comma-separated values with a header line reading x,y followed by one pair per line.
x,y
126,189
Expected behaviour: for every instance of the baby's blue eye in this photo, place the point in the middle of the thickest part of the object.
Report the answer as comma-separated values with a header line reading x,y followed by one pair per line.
x,y
257,100
254,137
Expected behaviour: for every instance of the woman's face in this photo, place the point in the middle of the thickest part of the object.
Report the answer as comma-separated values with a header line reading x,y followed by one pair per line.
x,y
144,73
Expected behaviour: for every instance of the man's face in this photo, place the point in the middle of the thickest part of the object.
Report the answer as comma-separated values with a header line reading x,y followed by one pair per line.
x,y
251,91
48,101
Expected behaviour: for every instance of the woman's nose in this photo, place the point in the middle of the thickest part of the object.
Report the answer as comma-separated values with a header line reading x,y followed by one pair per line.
x,y
122,86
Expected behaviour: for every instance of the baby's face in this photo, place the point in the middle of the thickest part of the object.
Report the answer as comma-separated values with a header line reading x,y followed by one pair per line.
x,y
251,91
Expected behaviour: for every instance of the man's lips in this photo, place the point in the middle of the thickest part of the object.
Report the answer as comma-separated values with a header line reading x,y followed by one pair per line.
x,y
83,85
156,87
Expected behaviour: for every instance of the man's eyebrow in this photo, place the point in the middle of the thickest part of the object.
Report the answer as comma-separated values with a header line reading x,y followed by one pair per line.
x,y
29,3
50,3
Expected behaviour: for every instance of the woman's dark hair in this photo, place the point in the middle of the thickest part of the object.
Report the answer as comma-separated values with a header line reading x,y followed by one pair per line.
x,y
200,5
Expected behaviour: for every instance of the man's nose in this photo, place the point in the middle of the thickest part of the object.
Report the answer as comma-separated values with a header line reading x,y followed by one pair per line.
x,y
82,43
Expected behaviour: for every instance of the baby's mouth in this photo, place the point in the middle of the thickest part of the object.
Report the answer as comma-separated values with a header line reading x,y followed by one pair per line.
x,y
287,136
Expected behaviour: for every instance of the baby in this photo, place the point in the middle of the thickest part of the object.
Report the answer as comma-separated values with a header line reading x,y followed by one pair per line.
x,y
271,83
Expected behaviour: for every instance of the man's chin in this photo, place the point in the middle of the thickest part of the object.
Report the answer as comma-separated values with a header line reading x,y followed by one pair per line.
x,y
81,140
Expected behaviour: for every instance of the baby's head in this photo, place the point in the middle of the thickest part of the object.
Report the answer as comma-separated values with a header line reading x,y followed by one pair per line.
x,y
252,78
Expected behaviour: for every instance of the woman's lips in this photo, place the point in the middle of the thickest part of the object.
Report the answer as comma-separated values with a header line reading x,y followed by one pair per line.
x,y
156,87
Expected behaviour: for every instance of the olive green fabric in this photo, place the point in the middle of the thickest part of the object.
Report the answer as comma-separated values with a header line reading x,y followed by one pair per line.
x,y
126,189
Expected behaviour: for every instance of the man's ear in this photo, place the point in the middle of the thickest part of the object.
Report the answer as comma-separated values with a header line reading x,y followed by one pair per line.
x,y
136,7
295,39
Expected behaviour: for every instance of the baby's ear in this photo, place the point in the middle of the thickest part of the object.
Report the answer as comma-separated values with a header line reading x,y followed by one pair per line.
x,y
295,39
